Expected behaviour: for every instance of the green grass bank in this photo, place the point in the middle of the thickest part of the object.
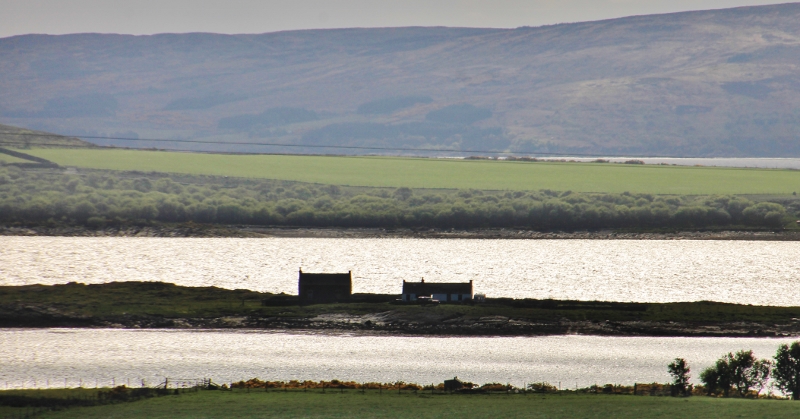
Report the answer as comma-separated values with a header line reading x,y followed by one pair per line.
x,y
441,173
372,404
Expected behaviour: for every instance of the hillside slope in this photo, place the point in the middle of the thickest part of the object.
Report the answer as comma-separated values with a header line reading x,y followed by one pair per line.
x,y
712,83
16,137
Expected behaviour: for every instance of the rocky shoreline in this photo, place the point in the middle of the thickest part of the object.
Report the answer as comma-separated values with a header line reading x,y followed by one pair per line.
x,y
397,323
200,231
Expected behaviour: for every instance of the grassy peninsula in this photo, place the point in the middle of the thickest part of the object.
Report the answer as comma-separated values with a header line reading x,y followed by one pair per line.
x,y
162,305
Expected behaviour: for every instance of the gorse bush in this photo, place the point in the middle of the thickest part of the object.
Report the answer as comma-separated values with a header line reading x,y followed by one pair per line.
x,y
100,198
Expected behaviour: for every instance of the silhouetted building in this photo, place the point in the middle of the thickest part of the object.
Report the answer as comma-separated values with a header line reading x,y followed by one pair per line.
x,y
445,292
453,385
324,288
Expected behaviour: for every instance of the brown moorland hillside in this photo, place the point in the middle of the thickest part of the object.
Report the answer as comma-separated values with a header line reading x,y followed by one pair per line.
x,y
16,137
706,83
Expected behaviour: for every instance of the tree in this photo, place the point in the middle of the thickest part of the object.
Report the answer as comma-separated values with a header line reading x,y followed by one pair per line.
x,y
679,370
742,371
759,374
719,376
403,193
741,366
787,369
710,380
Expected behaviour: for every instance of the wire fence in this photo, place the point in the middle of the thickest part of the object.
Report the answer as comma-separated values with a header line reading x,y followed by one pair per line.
x,y
97,383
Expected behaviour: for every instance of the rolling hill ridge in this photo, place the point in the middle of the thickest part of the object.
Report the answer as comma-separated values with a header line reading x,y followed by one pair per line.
x,y
708,83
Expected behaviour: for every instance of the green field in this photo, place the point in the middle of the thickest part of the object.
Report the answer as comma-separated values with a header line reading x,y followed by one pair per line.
x,y
5,158
352,403
441,173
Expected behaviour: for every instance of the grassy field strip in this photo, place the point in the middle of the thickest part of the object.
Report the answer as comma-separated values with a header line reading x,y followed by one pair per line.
x,y
353,404
440,173
5,158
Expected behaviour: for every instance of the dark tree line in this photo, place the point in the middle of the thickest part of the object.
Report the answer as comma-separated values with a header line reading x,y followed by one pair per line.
x,y
743,373
97,198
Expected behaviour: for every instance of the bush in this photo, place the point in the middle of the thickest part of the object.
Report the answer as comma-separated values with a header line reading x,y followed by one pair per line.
x,y
764,213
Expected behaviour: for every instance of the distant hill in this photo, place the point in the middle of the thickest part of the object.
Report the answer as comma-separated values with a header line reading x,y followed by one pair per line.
x,y
707,83
16,137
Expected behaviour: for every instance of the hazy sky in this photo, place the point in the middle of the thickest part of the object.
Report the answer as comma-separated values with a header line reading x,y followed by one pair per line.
x,y
258,16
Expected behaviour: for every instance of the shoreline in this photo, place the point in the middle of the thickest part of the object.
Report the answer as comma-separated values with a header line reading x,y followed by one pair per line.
x,y
244,231
494,326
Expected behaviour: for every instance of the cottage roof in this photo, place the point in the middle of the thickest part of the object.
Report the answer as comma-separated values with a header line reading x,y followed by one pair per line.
x,y
325,278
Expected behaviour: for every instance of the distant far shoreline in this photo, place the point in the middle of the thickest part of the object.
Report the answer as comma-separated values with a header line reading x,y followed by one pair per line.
x,y
244,231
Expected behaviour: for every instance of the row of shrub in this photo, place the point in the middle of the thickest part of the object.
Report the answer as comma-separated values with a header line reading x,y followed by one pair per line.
x,y
255,383
99,198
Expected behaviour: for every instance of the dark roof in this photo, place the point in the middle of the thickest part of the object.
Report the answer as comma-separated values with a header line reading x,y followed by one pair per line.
x,y
320,279
437,287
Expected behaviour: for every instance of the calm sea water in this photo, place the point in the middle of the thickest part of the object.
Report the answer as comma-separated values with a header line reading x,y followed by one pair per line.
x,y
755,272
42,358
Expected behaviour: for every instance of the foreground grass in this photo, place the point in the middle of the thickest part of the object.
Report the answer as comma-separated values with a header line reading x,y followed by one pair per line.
x,y
257,404
440,173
